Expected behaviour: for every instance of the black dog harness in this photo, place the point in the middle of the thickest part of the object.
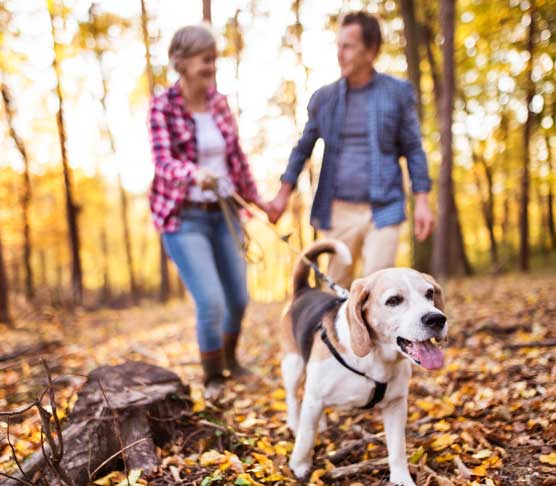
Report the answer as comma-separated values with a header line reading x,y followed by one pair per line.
x,y
380,387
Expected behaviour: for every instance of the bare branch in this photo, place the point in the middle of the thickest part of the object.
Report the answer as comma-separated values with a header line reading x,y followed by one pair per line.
x,y
60,449
20,411
116,454
13,478
14,455
117,430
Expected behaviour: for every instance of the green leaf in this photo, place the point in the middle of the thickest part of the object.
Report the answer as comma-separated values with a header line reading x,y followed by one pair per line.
x,y
207,481
241,482
416,456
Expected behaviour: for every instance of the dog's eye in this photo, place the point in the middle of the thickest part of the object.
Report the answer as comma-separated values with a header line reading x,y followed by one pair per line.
x,y
430,294
394,300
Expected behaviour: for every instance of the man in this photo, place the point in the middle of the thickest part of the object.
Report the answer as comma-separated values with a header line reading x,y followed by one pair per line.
x,y
367,121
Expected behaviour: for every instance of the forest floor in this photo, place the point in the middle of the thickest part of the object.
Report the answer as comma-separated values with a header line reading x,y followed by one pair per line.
x,y
488,417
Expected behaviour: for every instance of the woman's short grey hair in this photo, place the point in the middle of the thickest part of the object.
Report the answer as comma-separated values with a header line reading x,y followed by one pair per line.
x,y
189,41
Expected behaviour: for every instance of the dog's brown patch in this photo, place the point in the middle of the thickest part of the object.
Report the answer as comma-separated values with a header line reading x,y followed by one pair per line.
x,y
359,329
287,337
320,351
438,293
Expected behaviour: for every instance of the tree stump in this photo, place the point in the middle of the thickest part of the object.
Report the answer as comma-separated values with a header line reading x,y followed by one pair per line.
x,y
117,406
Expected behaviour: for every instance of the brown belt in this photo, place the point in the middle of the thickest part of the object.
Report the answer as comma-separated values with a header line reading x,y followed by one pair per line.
x,y
204,206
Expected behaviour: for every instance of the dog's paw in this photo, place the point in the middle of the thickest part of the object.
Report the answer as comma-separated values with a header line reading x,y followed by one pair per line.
x,y
300,469
401,479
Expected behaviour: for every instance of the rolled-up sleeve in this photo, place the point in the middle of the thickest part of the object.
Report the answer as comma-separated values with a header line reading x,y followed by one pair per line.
x,y
304,148
166,166
411,142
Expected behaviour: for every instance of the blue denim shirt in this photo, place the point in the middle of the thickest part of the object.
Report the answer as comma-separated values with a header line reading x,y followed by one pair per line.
x,y
393,130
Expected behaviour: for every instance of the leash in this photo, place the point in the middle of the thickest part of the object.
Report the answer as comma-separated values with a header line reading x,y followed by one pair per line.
x,y
224,205
337,289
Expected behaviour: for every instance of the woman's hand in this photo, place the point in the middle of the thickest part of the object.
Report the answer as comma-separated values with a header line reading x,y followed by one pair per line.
x,y
263,206
206,180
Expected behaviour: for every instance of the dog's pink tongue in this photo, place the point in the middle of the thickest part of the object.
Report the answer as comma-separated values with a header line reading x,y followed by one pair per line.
x,y
428,355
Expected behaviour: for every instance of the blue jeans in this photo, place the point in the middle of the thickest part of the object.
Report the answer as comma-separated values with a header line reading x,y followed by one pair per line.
x,y
212,268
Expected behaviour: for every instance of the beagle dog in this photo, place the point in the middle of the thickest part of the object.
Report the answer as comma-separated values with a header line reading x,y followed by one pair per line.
x,y
358,351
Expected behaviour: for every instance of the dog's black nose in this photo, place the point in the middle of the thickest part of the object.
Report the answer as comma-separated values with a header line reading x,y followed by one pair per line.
x,y
434,320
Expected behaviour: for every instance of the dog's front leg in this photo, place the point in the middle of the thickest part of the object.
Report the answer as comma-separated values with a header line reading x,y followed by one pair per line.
x,y
394,415
292,372
302,455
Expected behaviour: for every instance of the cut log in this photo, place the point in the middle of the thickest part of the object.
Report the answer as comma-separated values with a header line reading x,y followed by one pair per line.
x,y
118,406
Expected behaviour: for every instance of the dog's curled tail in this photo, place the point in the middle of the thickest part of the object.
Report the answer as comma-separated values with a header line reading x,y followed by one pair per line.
x,y
302,268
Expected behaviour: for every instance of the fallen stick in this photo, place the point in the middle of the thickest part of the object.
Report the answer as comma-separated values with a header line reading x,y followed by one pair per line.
x,y
441,480
357,468
533,344
29,350
337,456
462,468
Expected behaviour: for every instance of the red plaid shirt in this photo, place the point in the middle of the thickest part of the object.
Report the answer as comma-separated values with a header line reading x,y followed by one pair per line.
x,y
173,142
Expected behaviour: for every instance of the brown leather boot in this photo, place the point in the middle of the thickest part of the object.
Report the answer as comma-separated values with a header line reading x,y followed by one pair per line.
x,y
214,379
230,360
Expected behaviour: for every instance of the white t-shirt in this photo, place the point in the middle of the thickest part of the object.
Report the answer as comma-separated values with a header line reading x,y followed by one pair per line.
x,y
211,155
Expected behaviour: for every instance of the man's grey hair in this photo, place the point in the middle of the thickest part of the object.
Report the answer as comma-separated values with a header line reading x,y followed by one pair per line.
x,y
189,41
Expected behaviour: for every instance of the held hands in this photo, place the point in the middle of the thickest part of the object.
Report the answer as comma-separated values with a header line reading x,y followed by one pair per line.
x,y
278,205
424,220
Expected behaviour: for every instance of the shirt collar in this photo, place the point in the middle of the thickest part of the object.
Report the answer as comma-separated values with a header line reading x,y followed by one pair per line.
x,y
344,85
176,98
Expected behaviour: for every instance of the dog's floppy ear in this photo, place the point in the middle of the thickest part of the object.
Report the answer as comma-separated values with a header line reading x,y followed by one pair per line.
x,y
438,293
359,329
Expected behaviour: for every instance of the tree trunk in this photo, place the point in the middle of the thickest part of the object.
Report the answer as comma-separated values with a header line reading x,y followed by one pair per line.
x,y
207,11
550,196
527,129
412,56
238,48
448,254
433,66
298,202
505,134
42,266
15,280
71,208
106,287
487,202
489,211
164,273
118,406
4,294
26,193
421,250
543,243
124,211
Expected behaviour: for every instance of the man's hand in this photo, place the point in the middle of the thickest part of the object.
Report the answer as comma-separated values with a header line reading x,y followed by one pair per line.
x,y
278,205
424,220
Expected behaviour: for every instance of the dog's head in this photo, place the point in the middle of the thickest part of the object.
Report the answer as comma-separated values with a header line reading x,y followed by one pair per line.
x,y
401,309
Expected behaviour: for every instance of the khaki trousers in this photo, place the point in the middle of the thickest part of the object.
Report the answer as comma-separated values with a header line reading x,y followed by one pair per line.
x,y
351,223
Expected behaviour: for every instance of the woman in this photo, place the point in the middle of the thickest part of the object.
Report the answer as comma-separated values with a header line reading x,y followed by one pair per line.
x,y
198,159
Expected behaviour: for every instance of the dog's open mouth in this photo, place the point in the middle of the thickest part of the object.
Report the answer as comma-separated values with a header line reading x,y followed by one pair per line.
x,y
424,353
